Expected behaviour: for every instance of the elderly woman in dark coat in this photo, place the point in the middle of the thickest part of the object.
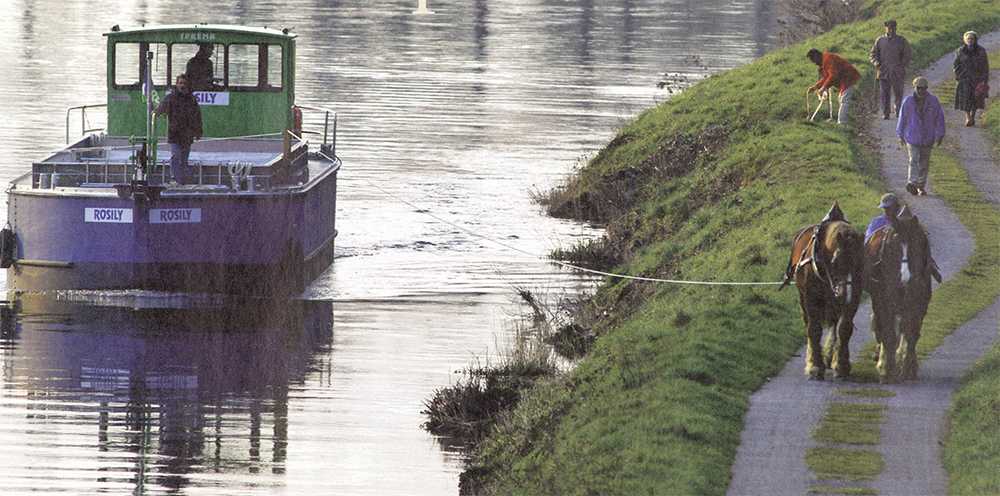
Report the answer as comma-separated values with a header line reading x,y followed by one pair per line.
x,y
972,68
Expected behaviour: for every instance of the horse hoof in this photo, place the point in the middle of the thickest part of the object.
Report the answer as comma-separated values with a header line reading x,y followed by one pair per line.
x,y
842,376
817,376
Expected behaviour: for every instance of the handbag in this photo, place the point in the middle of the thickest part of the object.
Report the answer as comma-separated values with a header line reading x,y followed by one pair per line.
x,y
982,90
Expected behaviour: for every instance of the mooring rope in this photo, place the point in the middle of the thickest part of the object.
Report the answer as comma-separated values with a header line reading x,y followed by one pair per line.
x,y
558,262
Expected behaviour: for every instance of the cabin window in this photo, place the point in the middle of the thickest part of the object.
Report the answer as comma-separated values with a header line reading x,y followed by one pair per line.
x,y
255,67
130,64
209,66
201,62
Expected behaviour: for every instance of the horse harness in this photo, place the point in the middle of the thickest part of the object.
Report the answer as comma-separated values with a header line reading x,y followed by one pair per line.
x,y
809,256
881,253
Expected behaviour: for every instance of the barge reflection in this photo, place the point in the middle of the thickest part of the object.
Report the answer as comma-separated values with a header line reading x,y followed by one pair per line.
x,y
159,392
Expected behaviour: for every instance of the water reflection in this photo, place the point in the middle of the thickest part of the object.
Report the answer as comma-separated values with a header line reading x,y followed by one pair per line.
x,y
154,392
461,114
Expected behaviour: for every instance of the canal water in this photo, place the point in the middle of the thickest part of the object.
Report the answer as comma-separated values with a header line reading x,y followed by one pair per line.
x,y
449,124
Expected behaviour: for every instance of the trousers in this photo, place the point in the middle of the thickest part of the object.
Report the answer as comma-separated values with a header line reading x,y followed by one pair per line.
x,y
889,88
845,102
920,164
180,170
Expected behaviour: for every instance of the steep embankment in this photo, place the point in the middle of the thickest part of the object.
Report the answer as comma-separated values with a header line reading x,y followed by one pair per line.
x,y
902,444
657,404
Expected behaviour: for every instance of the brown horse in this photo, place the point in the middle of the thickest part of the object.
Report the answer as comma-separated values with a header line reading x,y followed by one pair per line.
x,y
827,265
899,268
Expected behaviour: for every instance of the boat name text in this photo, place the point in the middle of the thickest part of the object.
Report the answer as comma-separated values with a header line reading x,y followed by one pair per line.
x,y
217,98
108,215
212,98
174,215
197,36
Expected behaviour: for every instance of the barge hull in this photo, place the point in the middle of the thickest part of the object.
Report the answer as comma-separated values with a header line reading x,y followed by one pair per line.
x,y
230,243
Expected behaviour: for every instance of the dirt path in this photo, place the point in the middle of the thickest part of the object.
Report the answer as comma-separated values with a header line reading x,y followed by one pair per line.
x,y
782,415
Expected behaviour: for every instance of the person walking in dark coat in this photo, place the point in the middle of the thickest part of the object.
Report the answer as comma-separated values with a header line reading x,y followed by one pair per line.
x,y
183,127
972,71
890,56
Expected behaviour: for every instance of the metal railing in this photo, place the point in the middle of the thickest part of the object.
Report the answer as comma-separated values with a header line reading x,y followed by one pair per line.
x,y
83,119
329,144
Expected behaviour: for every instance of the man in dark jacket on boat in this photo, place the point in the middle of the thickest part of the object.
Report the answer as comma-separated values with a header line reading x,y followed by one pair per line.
x,y
183,127
199,69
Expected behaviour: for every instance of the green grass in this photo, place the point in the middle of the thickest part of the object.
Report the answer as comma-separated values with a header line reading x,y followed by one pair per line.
x,y
972,447
849,423
833,463
657,405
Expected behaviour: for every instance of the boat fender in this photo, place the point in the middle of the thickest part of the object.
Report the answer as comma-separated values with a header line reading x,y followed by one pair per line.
x,y
8,247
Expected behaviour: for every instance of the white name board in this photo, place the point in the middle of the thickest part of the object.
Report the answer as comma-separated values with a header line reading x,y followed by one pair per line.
x,y
174,215
217,98
108,215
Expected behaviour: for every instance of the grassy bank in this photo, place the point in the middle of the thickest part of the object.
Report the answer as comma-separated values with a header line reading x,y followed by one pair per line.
x,y
972,449
657,405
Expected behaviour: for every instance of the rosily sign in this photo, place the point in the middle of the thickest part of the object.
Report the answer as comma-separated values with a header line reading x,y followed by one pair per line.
x,y
156,215
174,215
108,215
217,98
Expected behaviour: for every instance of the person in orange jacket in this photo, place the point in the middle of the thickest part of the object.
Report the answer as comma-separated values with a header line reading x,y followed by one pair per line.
x,y
834,72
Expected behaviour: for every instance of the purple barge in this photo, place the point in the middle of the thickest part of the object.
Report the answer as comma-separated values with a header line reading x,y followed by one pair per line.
x,y
102,213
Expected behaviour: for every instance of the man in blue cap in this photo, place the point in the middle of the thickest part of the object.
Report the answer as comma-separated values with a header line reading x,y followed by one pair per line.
x,y
890,208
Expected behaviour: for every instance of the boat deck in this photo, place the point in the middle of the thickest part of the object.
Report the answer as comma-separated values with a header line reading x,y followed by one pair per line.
x,y
221,164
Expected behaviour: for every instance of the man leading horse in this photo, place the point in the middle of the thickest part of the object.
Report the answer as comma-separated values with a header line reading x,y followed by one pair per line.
x,y
899,268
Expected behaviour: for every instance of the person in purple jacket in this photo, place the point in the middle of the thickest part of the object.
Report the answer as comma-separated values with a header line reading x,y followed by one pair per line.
x,y
920,127
890,210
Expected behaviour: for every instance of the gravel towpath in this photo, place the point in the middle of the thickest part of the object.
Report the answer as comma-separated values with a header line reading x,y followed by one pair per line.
x,y
782,415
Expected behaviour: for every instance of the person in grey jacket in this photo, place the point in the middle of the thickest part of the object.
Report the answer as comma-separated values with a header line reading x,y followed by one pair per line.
x,y
891,56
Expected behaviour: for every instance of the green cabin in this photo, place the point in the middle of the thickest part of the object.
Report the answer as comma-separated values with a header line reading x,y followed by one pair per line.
x,y
246,85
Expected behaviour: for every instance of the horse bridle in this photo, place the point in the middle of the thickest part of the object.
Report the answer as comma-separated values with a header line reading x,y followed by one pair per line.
x,y
818,264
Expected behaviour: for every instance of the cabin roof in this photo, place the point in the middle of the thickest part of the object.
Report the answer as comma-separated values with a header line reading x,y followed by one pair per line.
x,y
153,33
